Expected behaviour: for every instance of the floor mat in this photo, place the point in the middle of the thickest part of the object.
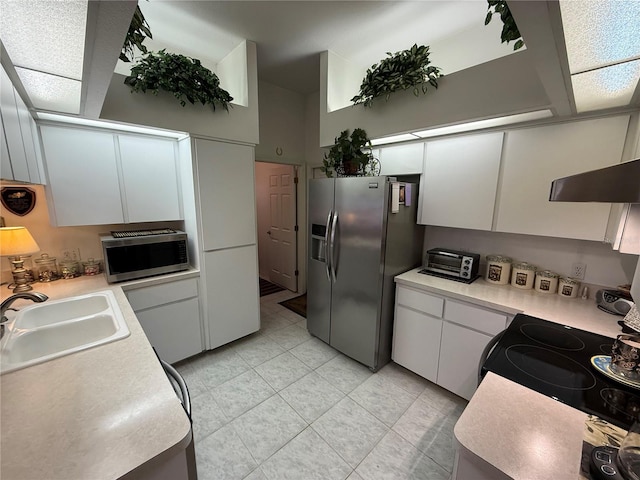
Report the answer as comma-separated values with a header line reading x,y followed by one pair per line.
x,y
297,305
267,288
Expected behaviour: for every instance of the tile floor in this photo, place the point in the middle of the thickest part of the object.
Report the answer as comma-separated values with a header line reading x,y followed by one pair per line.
x,y
280,404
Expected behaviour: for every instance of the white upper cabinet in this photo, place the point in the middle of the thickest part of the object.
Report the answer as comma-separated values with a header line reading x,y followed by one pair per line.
x,y
29,141
150,178
226,185
13,135
533,157
401,159
98,177
83,184
460,180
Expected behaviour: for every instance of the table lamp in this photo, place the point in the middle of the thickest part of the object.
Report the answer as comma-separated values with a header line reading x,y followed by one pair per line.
x,y
14,242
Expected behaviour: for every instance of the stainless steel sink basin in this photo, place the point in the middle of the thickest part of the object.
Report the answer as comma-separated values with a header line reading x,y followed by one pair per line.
x,y
56,328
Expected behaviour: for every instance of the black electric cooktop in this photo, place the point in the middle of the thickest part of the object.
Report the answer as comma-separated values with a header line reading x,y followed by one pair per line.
x,y
555,360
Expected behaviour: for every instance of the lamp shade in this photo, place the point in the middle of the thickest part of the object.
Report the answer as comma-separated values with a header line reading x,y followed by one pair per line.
x,y
16,241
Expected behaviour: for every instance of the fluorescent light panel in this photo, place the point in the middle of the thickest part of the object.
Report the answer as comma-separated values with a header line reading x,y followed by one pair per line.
x,y
114,126
50,92
481,124
393,139
606,87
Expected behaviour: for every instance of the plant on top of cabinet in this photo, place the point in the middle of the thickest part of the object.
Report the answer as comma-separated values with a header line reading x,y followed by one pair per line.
x,y
182,76
509,29
351,156
138,31
400,71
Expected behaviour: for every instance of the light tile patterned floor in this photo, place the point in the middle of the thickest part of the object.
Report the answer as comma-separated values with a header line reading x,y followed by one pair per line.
x,y
281,404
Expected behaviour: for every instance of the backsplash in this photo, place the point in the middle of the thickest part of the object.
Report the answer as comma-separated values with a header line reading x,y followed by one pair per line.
x,y
55,240
604,266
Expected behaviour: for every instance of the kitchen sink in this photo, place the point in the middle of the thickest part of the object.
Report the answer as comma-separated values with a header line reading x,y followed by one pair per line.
x,y
49,330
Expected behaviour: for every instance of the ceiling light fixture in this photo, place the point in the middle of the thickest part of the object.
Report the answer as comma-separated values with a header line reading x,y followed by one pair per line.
x,y
51,76
603,49
394,139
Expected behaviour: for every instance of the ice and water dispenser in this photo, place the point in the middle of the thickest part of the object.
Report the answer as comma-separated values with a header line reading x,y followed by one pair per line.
x,y
318,242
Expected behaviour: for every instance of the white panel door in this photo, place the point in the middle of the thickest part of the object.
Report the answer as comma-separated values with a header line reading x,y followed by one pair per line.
x,y
232,297
173,329
460,352
460,181
82,176
11,123
282,222
150,178
533,157
402,159
226,184
416,342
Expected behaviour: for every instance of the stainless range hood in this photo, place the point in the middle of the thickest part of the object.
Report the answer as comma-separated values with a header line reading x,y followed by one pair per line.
x,y
616,184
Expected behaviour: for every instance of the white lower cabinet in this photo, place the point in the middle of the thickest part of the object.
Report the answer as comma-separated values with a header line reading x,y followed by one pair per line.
x,y
441,339
170,317
416,342
460,351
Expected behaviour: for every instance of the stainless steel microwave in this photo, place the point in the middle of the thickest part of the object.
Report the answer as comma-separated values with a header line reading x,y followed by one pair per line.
x,y
452,263
129,255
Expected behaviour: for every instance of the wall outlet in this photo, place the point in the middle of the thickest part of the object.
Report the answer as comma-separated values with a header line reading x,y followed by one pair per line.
x,y
577,270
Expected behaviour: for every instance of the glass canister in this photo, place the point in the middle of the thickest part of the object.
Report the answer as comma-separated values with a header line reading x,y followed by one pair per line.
x,y
91,267
47,268
498,269
523,275
546,281
568,287
70,269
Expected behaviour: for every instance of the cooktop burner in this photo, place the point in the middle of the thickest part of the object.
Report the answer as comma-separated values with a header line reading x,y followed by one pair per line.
x,y
556,336
555,360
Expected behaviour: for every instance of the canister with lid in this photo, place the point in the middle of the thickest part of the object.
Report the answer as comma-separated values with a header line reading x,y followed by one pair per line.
x,y
47,268
523,275
70,269
568,287
498,269
91,267
546,281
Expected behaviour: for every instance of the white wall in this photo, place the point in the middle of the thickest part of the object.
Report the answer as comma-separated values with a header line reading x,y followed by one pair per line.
x,y
604,266
53,240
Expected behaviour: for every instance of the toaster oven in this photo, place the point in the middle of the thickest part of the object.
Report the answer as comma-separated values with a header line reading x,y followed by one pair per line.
x,y
452,264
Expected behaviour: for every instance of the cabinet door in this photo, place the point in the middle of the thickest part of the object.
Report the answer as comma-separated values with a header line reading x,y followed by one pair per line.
x,y
150,179
6,172
533,157
226,186
28,143
402,159
460,352
82,176
11,122
231,289
173,329
460,181
416,342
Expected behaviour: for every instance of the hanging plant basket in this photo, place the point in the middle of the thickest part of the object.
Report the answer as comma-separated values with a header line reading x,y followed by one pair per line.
x,y
350,156
182,76
400,71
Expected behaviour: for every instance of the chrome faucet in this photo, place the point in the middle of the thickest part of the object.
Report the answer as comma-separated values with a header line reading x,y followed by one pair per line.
x,y
6,304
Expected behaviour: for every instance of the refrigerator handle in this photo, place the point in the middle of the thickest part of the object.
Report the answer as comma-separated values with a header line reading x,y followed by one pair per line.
x,y
327,249
334,224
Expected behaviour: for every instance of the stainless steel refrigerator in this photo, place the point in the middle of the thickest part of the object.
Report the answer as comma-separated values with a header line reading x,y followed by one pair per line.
x,y
356,247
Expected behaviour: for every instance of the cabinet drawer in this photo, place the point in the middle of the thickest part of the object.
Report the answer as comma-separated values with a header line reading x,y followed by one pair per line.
x,y
475,317
148,297
420,301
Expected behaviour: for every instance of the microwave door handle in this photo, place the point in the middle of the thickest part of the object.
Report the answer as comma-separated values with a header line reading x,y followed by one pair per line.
x,y
334,225
327,249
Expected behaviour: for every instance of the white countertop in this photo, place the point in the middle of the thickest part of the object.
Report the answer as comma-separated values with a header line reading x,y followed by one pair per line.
x,y
98,413
574,312
513,431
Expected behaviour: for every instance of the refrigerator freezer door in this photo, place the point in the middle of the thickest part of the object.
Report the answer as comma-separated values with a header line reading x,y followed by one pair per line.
x,y
321,195
357,256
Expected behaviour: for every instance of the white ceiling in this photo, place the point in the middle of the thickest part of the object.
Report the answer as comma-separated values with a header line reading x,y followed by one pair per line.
x,y
290,35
